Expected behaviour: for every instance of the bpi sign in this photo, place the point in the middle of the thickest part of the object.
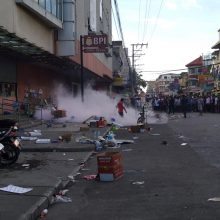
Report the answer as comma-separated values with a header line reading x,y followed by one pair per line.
x,y
95,43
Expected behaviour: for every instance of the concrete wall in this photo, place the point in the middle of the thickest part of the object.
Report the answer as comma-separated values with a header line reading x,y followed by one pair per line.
x,y
24,24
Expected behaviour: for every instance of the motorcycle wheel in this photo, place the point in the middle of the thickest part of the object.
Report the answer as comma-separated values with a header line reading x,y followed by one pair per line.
x,y
10,155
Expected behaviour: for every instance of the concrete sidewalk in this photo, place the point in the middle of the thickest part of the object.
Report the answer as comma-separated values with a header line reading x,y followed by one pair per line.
x,y
46,168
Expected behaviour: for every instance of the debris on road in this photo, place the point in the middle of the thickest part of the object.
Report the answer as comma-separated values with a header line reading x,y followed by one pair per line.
x,y
16,189
60,199
44,213
35,133
90,177
23,138
138,183
215,199
43,141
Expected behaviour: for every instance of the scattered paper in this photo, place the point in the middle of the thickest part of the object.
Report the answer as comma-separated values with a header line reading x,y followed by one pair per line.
x,y
28,138
25,165
90,177
124,141
127,150
215,199
138,183
15,189
155,134
183,144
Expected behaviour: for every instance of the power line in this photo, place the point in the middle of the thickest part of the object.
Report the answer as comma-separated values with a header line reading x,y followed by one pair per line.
x,y
119,21
146,18
161,71
139,20
155,25
115,22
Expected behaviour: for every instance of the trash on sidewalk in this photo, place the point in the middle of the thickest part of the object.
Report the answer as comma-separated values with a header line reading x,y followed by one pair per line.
x,y
43,141
23,138
83,140
59,113
84,128
183,144
16,189
123,141
35,133
90,177
66,137
214,199
43,213
63,192
60,199
155,134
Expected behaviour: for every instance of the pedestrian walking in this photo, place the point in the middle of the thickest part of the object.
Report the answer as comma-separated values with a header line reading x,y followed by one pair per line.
x,y
171,104
184,103
121,108
200,105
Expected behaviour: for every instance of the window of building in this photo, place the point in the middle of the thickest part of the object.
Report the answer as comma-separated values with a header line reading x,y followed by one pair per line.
x,y
7,89
55,7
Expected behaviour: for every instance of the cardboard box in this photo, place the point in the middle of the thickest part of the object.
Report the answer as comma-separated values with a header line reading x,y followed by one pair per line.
x,y
59,113
109,159
110,166
84,128
135,129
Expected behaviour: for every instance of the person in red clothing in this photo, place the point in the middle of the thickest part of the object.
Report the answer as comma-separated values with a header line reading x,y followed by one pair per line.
x,y
121,108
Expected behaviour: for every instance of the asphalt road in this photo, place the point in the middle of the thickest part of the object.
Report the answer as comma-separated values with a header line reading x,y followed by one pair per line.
x,y
163,179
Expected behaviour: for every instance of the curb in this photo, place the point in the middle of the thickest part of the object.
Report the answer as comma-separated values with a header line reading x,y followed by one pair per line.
x,y
45,201
58,149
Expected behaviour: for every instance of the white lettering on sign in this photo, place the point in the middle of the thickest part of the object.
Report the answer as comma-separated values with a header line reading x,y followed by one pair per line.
x,y
99,40
95,43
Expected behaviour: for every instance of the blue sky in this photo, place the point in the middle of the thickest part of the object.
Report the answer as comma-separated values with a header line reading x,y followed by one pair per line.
x,y
177,34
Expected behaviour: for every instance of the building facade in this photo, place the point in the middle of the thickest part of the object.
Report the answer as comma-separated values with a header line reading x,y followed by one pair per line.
x,y
167,84
120,67
215,71
40,46
200,79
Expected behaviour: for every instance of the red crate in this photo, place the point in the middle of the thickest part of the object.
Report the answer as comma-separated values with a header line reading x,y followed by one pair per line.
x,y
109,159
110,169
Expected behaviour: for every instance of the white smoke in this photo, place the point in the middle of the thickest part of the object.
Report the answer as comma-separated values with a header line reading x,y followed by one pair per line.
x,y
96,103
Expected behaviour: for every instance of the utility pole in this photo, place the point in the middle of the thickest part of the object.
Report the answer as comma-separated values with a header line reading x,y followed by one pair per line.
x,y
133,74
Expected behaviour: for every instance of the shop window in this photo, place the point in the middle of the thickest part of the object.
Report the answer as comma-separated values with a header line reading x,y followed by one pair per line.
x,y
7,89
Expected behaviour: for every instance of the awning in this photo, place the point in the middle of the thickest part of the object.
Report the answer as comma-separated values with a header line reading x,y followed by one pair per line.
x,y
12,45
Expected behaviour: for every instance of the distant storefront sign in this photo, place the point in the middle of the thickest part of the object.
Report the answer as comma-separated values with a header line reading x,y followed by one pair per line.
x,y
118,81
95,43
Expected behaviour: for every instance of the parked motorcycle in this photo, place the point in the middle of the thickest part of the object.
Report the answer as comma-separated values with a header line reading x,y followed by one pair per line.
x,y
10,145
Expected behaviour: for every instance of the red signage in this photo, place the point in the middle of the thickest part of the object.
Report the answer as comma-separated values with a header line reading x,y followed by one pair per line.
x,y
95,43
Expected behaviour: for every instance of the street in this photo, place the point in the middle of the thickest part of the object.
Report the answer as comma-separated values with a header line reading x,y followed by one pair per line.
x,y
170,173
